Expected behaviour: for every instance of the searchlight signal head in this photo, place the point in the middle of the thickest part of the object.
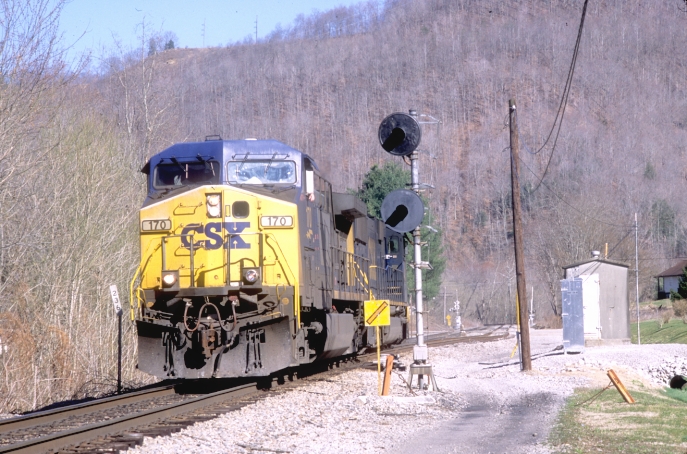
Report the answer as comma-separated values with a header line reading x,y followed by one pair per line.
x,y
402,210
400,134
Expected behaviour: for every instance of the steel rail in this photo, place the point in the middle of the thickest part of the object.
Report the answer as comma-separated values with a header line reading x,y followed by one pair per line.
x,y
56,414
467,339
107,428
443,340
110,428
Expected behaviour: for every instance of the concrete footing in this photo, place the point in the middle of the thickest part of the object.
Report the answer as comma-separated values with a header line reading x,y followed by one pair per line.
x,y
606,342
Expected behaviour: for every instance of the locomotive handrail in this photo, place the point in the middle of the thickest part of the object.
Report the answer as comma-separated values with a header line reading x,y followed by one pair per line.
x,y
345,258
182,206
131,293
139,272
393,279
192,252
385,291
296,296
366,281
228,243
354,277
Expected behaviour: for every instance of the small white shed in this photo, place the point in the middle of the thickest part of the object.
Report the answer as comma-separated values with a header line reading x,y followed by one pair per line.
x,y
606,307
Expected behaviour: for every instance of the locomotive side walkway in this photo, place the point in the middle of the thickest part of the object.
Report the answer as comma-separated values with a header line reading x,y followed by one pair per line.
x,y
484,406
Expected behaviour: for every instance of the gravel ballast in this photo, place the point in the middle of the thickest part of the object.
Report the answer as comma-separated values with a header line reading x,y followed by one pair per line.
x,y
484,405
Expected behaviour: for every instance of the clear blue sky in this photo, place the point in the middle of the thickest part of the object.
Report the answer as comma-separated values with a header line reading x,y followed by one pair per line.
x,y
225,21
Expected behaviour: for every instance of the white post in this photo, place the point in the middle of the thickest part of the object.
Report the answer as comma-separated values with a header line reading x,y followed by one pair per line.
x,y
114,294
531,317
420,353
417,257
639,339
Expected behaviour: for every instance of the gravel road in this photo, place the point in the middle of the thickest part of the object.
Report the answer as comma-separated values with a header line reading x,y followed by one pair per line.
x,y
484,406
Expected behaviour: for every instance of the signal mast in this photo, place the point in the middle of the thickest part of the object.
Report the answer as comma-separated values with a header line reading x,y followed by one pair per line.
x,y
402,211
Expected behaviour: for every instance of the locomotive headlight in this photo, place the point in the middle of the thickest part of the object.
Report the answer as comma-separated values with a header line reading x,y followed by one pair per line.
x,y
251,275
214,205
170,279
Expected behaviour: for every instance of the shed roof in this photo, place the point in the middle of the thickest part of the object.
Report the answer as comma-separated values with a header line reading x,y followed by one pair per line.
x,y
600,260
674,270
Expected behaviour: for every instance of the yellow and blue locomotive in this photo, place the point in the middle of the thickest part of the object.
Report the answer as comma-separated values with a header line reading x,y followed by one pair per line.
x,y
250,264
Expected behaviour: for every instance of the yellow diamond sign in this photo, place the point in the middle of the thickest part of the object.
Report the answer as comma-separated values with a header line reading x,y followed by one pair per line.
x,y
377,313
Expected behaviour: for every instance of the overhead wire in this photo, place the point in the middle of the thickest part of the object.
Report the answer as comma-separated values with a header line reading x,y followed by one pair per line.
x,y
620,241
596,266
564,98
572,206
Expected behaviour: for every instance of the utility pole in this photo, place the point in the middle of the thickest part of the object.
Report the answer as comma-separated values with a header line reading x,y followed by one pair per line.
x,y
444,304
256,29
526,362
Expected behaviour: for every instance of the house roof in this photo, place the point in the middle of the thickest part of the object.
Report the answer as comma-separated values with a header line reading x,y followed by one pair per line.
x,y
674,270
600,260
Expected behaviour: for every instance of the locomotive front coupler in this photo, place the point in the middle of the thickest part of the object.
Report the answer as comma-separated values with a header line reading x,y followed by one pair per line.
x,y
315,327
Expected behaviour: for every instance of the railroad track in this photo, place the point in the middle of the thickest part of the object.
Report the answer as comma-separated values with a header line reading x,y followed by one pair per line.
x,y
451,337
115,423
119,422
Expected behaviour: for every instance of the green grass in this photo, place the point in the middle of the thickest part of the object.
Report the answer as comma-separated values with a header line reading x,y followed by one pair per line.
x,y
655,303
654,424
673,332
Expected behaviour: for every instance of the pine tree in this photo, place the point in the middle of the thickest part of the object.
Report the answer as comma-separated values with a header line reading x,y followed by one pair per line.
x,y
679,298
379,182
681,287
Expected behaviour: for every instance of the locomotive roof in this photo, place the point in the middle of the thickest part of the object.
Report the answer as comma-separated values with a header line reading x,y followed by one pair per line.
x,y
227,150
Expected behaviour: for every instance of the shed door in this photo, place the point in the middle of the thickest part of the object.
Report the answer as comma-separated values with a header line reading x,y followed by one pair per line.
x,y
573,318
590,302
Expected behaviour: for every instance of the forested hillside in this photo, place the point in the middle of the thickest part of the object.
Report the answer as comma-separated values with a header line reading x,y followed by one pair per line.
x,y
324,85
73,141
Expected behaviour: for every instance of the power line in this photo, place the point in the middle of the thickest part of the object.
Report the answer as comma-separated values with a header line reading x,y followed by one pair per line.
x,y
618,243
564,97
570,205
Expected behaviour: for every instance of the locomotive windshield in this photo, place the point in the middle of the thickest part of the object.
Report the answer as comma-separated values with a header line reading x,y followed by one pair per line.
x,y
176,173
261,172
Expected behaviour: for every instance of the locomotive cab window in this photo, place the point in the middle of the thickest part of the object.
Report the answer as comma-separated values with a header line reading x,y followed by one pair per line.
x,y
240,209
261,172
179,173
320,185
394,245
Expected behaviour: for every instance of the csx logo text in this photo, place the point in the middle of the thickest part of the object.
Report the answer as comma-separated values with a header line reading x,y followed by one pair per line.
x,y
213,231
